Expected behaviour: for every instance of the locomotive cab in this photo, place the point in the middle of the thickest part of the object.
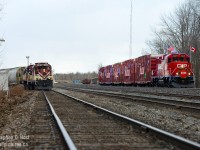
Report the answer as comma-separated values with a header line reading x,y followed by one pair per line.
x,y
180,73
43,76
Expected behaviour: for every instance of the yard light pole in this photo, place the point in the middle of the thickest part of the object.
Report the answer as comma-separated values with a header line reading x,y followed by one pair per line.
x,y
27,60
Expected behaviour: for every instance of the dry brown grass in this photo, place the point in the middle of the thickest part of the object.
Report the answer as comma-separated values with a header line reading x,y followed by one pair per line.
x,y
2,95
17,90
7,103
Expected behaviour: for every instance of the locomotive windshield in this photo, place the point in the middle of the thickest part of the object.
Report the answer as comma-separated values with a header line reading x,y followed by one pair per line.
x,y
42,67
175,59
178,58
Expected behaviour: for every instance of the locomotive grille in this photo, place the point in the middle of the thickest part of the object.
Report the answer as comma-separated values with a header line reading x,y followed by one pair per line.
x,y
44,73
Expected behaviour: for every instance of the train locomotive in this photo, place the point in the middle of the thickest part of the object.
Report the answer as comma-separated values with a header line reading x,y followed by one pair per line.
x,y
170,70
38,76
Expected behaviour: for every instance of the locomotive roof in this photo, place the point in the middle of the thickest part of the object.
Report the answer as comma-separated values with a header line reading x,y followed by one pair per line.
x,y
178,54
41,63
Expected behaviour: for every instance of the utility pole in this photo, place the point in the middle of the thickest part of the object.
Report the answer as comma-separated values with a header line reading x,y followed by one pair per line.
x,y
130,46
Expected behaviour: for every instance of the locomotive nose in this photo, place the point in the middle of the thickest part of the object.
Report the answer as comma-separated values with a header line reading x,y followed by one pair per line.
x,y
183,74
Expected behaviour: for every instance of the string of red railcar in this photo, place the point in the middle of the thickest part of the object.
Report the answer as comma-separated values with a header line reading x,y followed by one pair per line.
x,y
171,70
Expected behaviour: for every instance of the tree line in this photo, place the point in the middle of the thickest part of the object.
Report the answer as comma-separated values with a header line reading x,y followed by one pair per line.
x,y
180,29
69,77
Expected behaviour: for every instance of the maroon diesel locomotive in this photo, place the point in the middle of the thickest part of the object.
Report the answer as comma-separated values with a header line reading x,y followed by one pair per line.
x,y
39,76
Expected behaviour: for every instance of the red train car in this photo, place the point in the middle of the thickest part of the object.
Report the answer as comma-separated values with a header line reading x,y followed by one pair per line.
x,y
143,70
101,77
128,72
108,73
117,74
171,70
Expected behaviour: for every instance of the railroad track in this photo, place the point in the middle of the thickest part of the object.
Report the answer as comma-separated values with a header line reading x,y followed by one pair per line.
x,y
125,89
185,105
92,127
44,132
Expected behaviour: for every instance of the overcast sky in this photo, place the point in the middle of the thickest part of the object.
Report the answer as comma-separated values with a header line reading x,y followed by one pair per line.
x,y
76,35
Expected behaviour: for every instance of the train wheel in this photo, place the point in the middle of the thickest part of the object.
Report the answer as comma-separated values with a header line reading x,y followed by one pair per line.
x,y
29,86
33,87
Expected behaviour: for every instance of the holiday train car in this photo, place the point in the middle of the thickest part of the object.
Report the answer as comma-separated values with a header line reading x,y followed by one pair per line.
x,y
173,70
170,70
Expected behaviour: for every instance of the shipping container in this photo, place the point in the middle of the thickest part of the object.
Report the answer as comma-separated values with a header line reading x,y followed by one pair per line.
x,y
143,70
76,81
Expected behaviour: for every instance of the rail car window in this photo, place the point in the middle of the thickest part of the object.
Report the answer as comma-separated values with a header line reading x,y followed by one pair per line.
x,y
188,59
175,59
181,58
169,60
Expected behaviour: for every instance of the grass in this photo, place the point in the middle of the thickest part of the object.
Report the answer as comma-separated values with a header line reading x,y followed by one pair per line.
x,y
16,90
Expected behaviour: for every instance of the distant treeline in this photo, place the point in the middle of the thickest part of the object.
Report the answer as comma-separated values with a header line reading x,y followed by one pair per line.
x,y
69,77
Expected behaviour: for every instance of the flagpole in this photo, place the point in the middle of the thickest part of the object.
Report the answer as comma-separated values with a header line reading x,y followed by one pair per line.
x,y
190,55
130,46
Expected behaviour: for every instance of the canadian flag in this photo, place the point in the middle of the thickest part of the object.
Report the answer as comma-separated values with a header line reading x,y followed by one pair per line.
x,y
193,49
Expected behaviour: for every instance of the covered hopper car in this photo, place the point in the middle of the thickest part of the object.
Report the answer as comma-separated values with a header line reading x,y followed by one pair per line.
x,y
15,75
171,70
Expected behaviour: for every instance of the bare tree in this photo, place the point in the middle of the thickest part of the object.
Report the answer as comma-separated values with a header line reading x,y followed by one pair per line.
x,y
180,29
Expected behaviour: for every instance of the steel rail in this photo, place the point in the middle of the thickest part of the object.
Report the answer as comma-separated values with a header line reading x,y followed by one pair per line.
x,y
66,136
184,143
194,106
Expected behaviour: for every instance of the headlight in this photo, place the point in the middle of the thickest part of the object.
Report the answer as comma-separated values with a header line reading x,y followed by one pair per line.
x,y
189,73
177,73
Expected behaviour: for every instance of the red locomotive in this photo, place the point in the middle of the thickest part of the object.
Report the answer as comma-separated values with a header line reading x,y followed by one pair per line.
x,y
171,70
38,76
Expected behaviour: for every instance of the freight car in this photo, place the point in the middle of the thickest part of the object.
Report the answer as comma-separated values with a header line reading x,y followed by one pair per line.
x,y
15,75
94,80
86,81
171,70
38,76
